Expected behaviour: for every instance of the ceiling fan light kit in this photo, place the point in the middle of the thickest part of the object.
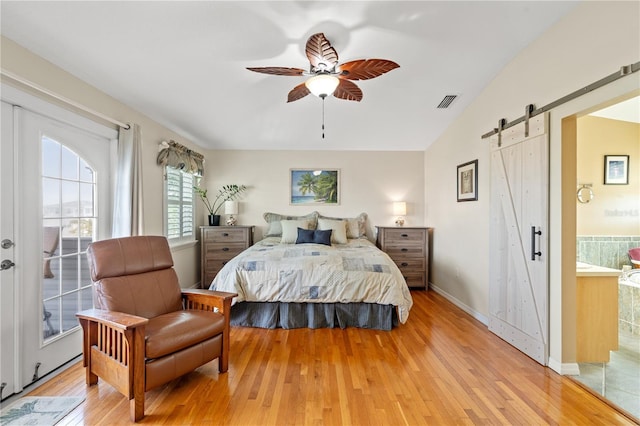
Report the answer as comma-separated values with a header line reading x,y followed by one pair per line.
x,y
322,85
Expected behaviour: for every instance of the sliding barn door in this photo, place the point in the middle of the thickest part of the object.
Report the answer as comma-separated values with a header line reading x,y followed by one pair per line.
x,y
518,289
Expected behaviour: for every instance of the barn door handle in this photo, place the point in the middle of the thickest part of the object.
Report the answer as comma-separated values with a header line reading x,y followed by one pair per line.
x,y
534,253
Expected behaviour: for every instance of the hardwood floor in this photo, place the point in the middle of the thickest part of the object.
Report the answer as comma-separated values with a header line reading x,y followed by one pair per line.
x,y
442,367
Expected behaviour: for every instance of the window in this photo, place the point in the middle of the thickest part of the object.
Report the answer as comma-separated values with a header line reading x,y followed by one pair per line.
x,y
68,226
179,205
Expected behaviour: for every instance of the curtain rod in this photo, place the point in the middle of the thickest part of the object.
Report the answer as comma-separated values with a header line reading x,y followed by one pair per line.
x,y
68,101
624,71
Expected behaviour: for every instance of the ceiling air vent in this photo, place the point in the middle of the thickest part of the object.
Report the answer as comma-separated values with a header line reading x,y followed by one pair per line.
x,y
446,101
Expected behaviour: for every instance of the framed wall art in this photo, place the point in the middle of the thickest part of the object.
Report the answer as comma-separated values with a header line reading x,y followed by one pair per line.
x,y
616,169
468,181
314,186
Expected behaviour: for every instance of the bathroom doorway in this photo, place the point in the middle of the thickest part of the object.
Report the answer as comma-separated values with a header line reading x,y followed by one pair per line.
x,y
607,226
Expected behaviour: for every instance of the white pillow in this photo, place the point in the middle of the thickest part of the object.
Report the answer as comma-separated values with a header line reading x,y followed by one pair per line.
x,y
290,229
339,227
273,219
356,226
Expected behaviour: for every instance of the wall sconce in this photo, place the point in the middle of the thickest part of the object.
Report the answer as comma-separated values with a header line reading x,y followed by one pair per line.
x,y
400,210
585,193
231,208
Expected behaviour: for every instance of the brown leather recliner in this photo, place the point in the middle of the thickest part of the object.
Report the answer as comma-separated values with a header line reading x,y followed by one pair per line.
x,y
146,330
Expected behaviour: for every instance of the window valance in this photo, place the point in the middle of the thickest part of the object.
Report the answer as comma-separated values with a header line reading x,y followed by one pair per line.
x,y
180,157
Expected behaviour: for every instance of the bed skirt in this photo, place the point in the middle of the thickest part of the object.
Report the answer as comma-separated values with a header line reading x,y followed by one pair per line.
x,y
314,315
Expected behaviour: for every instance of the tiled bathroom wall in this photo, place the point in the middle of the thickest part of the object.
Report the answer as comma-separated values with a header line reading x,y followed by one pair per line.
x,y
609,251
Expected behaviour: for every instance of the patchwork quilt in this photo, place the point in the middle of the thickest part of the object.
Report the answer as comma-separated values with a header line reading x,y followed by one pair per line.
x,y
357,271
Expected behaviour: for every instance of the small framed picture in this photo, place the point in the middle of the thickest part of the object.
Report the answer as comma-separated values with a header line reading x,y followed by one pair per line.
x,y
468,181
314,186
616,169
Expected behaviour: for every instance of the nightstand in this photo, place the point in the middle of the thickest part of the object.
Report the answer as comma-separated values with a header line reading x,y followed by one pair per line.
x,y
218,245
408,247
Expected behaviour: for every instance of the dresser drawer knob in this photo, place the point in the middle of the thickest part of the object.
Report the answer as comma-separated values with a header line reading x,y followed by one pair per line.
x,y
225,234
404,264
225,249
404,235
404,249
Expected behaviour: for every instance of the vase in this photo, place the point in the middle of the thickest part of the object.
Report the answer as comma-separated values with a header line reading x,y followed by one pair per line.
x,y
214,220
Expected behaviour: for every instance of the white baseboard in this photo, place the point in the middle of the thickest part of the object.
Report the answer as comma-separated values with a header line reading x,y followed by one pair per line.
x,y
566,369
475,314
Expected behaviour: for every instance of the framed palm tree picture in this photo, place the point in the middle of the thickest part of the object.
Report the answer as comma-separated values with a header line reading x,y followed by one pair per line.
x,y
314,186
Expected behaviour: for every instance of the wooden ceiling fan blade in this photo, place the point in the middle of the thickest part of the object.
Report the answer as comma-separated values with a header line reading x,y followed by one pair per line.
x,y
298,92
364,69
278,70
348,91
320,52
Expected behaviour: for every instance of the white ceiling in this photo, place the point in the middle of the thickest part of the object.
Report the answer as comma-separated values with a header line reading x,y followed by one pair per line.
x,y
183,63
628,110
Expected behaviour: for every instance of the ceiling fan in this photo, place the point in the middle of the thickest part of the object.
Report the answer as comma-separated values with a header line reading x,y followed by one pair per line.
x,y
327,77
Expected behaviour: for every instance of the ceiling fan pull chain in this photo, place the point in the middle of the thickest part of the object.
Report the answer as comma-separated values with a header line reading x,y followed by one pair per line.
x,y
323,98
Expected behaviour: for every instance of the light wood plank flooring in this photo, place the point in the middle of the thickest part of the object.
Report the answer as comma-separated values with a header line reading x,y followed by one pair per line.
x,y
441,368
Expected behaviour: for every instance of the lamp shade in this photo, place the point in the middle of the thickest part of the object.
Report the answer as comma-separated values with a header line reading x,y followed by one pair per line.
x,y
230,207
399,208
322,85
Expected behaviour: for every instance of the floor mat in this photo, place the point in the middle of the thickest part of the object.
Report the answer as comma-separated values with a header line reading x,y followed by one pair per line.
x,y
38,410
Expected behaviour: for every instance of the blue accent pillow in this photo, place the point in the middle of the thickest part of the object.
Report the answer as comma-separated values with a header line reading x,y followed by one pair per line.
x,y
304,236
322,237
308,236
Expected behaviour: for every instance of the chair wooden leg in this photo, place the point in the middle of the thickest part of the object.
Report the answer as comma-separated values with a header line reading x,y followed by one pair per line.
x,y
89,330
136,407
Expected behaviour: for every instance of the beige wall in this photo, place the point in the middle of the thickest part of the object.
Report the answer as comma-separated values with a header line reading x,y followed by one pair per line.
x,y
614,209
369,182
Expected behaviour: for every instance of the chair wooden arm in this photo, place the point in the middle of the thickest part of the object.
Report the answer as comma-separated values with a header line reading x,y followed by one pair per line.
x,y
117,320
208,300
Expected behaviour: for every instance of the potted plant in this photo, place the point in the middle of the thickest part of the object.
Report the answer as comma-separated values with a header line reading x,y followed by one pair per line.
x,y
226,193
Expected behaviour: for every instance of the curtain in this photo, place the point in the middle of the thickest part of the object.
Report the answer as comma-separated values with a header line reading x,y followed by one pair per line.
x,y
180,157
127,209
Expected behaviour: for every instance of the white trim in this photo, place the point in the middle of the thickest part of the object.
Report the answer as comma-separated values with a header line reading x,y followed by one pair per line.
x,y
566,369
40,106
67,101
475,314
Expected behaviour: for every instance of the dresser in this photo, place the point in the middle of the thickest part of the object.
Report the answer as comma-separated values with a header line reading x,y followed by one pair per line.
x,y
409,249
218,245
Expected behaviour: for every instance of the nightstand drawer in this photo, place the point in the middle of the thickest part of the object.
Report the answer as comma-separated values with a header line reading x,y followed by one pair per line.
x,y
398,252
415,279
222,250
226,235
407,264
400,236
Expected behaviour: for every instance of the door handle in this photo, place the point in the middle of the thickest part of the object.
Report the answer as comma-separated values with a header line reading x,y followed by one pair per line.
x,y
534,253
6,264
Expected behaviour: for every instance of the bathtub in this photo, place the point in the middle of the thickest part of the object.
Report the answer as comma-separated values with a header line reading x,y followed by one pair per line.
x,y
632,280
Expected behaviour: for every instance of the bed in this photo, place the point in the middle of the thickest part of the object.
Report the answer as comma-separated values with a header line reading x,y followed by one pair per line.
x,y
316,272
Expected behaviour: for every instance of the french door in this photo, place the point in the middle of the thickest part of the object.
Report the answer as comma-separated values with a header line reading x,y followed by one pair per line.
x,y
518,273
60,176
